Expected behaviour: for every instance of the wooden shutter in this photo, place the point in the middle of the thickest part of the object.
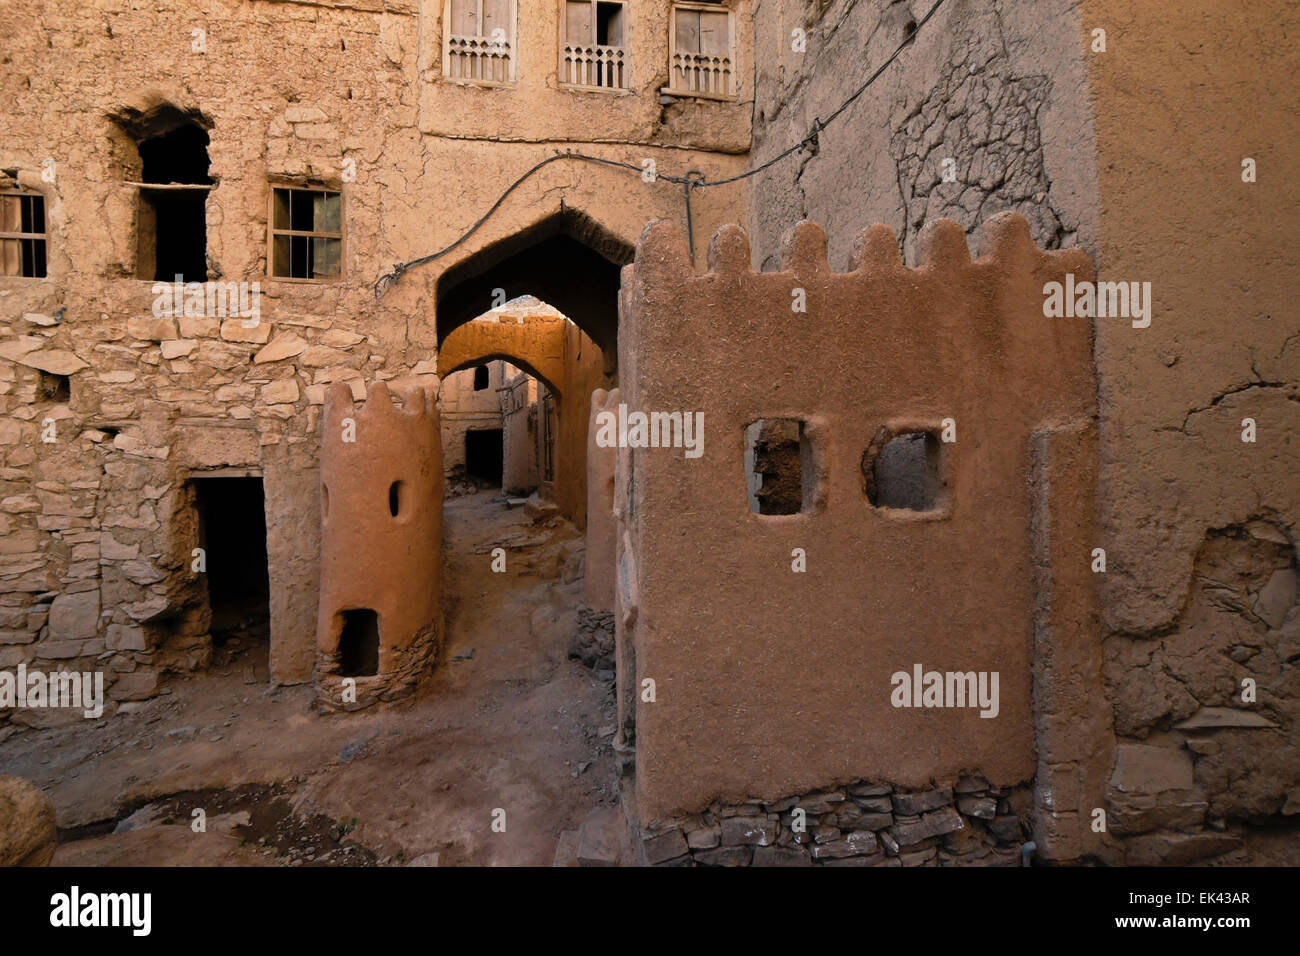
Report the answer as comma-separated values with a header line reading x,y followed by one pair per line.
x,y
464,18
578,26
687,31
496,15
714,38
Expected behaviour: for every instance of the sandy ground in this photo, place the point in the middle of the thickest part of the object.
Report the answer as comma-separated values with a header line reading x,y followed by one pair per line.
x,y
506,722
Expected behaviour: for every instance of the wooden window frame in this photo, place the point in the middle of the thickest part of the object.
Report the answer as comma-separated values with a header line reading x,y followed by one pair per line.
x,y
512,60
732,95
42,237
272,232
626,48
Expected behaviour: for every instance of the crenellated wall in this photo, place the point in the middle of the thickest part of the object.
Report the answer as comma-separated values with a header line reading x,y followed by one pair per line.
x,y
1107,127
772,640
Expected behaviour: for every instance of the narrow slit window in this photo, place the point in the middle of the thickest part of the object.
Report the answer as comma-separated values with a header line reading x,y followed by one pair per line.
x,y
306,234
22,235
481,378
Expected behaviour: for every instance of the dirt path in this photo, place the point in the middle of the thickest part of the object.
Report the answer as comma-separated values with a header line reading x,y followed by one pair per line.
x,y
506,722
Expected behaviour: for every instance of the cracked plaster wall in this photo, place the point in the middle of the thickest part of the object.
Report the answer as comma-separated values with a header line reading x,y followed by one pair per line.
x,y
988,85
1135,155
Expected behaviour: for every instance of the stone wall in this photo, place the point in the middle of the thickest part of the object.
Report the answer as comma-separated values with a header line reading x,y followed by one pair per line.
x,y
1201,527
97,526
863,824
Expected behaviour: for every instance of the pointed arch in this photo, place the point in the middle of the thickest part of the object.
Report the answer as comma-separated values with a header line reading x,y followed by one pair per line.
x,y
567,259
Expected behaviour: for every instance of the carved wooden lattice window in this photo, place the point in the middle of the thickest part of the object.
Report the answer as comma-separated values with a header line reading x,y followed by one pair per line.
x,y
592,53
701,58
306,234
22,234
478,43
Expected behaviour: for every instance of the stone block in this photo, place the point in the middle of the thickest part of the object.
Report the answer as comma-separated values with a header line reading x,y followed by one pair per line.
x,y
757,831
138,685
935,823
1177,849
150,328
75,616
857,843
663,847
123,637
28,833
283,391
1142,768
985,808
910,804
725,856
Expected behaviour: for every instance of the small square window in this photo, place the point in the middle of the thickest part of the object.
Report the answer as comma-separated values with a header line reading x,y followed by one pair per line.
x,y
22,235
54,388
779,466
306,234
906,471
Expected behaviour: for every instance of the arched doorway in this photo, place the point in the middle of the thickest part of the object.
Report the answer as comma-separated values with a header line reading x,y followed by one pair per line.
x,y
566,259
499,428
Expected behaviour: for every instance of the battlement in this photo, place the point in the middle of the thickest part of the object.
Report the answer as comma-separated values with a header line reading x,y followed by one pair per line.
x,y
381,407
950,311
864,492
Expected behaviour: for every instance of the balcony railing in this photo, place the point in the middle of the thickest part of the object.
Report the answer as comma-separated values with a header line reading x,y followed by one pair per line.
x,y
482,59
594,66
701,74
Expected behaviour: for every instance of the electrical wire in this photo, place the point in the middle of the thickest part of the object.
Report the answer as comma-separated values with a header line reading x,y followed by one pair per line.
x,y
690,181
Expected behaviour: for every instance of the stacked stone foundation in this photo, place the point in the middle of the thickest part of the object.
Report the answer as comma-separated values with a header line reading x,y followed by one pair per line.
x,y
863,824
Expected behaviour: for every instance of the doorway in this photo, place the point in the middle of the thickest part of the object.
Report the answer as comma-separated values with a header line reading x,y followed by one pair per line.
x,y
484,455
232,536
